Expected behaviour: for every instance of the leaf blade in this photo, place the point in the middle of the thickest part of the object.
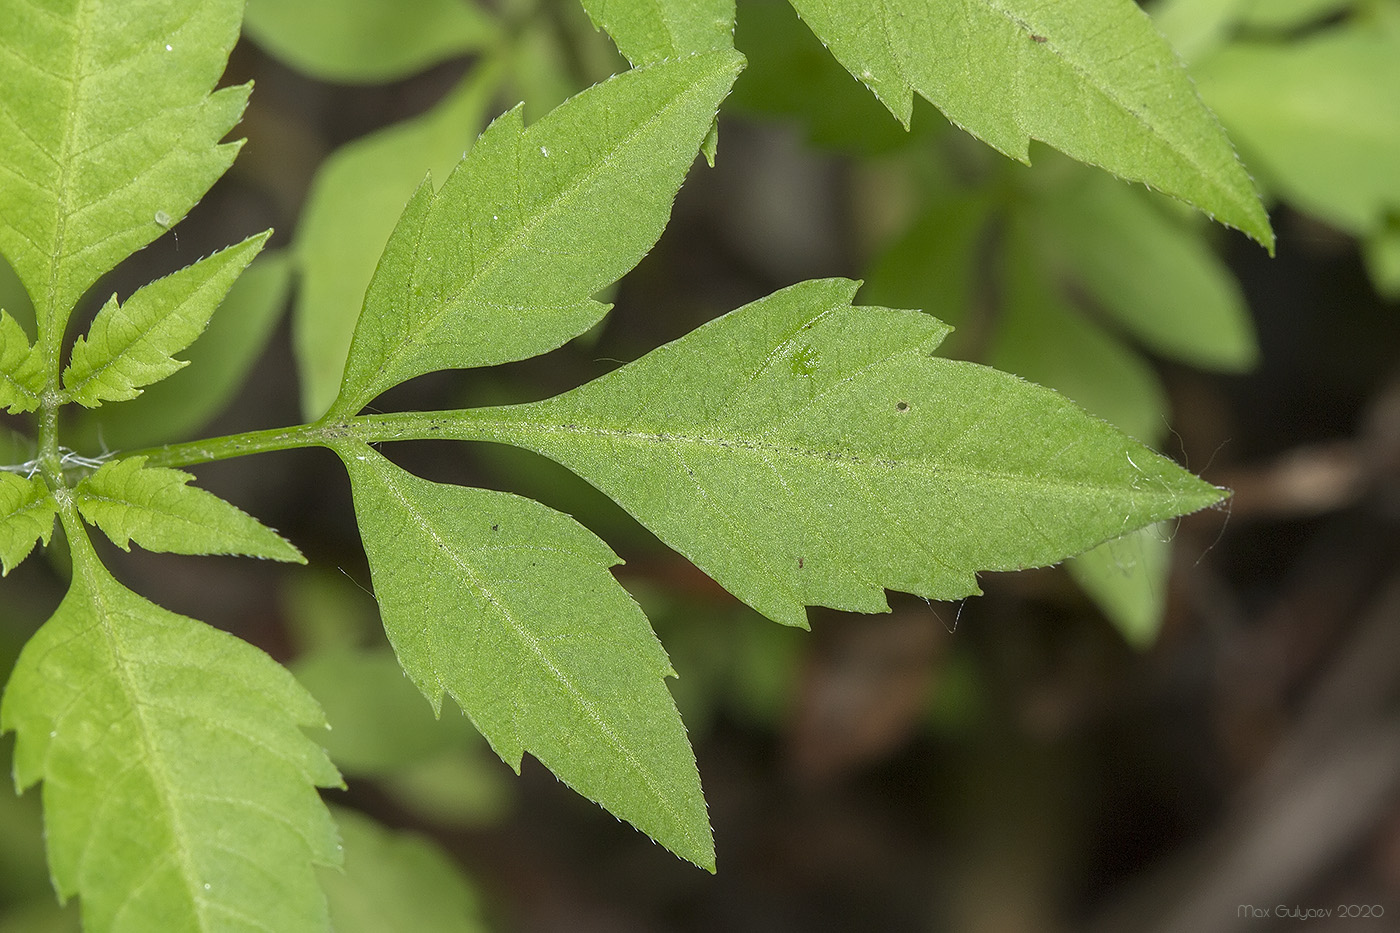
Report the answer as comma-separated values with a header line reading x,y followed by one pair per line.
x,y
132,344
27,511
804,452
509,607
21,368
1091,78
179,791
647,31
368,41
500,264
108,125
154,507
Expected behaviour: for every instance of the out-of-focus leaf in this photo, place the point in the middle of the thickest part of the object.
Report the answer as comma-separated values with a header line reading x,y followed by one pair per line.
x,y
934,265
1127,578
1042,339
1288,14
1382,252
395,882
1156,276
1195,28
378,721
1320,119
368,40
350,211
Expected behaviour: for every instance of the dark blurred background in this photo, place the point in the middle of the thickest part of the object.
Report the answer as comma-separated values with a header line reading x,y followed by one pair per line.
x,y
1004,764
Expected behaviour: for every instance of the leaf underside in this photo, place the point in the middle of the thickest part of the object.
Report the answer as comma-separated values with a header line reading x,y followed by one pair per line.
x,y
1092,78
804,452
179,791
508,606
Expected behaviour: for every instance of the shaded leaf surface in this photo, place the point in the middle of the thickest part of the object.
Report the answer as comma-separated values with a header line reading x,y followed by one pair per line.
x,y
500,264
132,344
27,512
1156,276
1319,117
397,882
804,452
1092,78
179,790
508,606
368,40
154,507
108,133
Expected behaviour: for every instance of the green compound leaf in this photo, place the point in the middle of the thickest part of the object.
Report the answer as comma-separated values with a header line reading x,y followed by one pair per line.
x,y
508,606
368,40
21,369
131,344
155,508
179,790
804,452
501,263
1319,117
1092,78
27,512
397,882
108,134
358,194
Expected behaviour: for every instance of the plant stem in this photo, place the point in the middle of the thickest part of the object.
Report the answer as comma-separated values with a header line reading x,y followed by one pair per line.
x,y
483,424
